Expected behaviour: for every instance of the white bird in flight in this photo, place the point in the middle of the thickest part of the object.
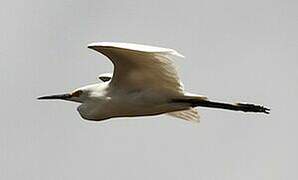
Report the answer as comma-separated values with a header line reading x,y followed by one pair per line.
x,y
145,82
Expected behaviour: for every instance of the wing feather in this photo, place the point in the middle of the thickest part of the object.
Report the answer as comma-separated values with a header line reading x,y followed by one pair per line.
x,y
138,67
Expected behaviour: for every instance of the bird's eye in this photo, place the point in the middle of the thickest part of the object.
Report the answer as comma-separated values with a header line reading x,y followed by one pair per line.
x,y
77,93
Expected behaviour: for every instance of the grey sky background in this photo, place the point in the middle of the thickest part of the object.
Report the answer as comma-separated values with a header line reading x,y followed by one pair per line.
x,y
235,51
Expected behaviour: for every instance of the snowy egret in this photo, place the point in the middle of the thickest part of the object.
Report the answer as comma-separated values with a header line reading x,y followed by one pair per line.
x,y
145,82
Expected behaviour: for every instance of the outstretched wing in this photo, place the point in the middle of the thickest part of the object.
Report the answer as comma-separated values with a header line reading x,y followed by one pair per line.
x,y
139,67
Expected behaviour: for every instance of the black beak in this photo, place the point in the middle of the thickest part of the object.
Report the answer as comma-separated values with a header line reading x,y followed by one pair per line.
x,y
58,96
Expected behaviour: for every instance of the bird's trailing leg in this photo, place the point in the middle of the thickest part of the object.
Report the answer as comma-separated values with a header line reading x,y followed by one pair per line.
x,y
245,107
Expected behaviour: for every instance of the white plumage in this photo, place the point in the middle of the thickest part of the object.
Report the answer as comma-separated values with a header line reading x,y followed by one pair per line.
x,y
144,82
145,76
140,67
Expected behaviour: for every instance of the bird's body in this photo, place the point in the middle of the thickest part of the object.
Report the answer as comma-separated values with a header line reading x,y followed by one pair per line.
x,y
105,102
123,103
145,82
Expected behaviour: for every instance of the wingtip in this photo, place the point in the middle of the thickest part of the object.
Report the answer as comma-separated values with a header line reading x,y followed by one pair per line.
x,y
91,45
95,44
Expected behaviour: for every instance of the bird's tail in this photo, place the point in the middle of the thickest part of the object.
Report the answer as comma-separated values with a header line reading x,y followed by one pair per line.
x,y
245,107
190,114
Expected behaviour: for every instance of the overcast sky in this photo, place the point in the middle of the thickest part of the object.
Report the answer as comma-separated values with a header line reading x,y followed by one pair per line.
x,y
235,51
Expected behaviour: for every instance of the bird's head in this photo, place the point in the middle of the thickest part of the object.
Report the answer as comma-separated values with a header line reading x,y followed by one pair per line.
x,y
78,95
